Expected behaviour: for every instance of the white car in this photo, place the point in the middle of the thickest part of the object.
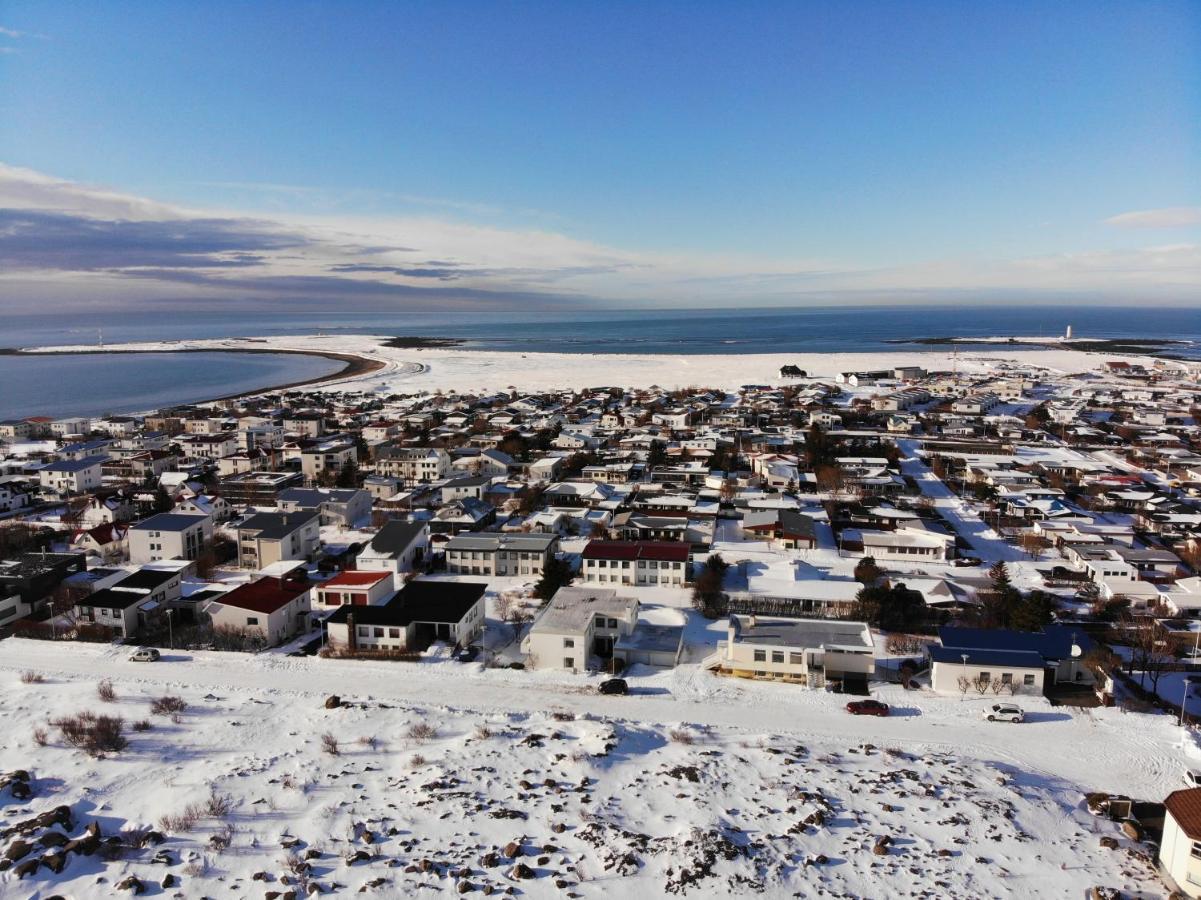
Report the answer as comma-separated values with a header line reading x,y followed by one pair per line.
x,y
144,654
1004,712
1192,777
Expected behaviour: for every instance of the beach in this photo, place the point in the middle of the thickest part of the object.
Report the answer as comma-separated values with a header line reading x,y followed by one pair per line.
x,y
374,366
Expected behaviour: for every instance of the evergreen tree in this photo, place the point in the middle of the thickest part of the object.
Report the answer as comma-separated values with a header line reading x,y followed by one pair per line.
x,y
555,574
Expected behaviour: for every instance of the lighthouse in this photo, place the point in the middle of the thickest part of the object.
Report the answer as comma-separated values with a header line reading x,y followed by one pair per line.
x,y
1067,335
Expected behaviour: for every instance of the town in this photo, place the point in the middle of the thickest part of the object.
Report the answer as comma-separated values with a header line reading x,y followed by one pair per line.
x,y
968,548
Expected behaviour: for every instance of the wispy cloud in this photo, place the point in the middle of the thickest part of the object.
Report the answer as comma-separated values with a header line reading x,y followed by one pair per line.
x,y
1166,217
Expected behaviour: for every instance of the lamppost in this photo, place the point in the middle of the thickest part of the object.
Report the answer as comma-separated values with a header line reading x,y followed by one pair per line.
x,y
170,629
1184,697
963,694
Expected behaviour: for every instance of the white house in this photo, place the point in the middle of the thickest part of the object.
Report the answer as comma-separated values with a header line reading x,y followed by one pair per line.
x,y
169,536
576,624
500,554
1180,847
72,476
635,563
396,548
812,652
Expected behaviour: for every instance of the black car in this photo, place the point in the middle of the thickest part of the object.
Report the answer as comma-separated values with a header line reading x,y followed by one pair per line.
x,y
614,686
467,654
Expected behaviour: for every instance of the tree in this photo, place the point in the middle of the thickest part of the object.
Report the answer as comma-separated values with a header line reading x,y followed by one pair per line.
x,y
707,593
1034,544
162,500
1033,612
1149,655
867,572
348,475
656,455
555,574
889,608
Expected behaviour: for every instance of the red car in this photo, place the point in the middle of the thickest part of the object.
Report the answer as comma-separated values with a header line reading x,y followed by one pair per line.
x,y
867,708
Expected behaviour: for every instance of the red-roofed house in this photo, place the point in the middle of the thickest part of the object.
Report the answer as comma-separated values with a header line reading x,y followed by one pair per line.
x,y
357,588
273,608
1180,849
635,563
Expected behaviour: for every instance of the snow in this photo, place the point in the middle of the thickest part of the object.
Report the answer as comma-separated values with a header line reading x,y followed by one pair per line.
x,y
409,370
1004,801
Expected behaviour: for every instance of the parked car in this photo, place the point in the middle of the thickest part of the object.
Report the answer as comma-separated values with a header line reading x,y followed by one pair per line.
x,y
467,654
1192,777
1004,712
614,686
867,708
144,654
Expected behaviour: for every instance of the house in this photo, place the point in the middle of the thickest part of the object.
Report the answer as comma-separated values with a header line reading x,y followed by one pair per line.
x,y
485,462
910,541
110,541
413,464
381,487
396,548
1023,661
274,609
306,424
790,529
330,455
421,613
268,537
15,493
635,563
658,646
169,535
1180,846
356,588
500,554
72,476
30,578
811,652
464,487
257,488
129,605
577,624
338,506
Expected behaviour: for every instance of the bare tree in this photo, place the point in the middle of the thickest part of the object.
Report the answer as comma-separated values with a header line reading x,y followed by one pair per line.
x,y
964,684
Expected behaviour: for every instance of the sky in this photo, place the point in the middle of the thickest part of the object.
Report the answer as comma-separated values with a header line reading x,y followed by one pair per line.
x,y
608,154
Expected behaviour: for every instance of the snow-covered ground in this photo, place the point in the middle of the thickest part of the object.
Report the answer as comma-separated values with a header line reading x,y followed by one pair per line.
x,y
690,774
409,370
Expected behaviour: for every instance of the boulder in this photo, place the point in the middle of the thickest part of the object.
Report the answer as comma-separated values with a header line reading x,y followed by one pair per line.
x,y
333,701
18,849
133,884
521,871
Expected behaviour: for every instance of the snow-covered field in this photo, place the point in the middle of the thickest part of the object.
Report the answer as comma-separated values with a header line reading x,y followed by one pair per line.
x,y
708,786
409,371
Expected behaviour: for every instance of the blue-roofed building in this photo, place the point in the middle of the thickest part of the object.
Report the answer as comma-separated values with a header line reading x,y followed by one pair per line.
x,y
1022,661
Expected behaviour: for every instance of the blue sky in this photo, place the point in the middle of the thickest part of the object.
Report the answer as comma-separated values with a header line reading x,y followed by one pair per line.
x,y
776,149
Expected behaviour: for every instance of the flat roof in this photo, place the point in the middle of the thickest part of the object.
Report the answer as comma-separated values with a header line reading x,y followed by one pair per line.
x,y
781,631
571,608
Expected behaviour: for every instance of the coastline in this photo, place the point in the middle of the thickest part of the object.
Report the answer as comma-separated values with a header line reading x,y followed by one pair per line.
x,y
354,365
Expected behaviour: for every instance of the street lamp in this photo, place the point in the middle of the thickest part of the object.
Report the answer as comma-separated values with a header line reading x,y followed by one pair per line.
x,y
170,629
1184,697
963,656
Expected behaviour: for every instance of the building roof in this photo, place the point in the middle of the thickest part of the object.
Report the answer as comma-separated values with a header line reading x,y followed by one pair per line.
x,y
355,579
1016,659
781,631
660,550
571,608
419,601
170,522
1054,642
107,598
314,497
74,465
529,542
396,536
1185,807
275,526
265,595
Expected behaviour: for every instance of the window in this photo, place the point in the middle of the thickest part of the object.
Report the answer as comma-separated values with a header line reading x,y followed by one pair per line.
x,y
568,642
394,633
796,659
379,632
777,656
1028,680
984,676
252,620
1195,850
1006,678
760,656
569,662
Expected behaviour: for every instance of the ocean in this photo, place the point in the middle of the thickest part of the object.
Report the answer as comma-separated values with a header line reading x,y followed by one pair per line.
x,y
91,384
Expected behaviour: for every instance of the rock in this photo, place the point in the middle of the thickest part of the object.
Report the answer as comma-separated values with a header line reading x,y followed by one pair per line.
x,y
312,853
464,887
168,881
357,857
18,849
558,828
163,858
333,701
55,862
26,868
133,884
1109,842
53,838
490,860
521,871
20,790
513,849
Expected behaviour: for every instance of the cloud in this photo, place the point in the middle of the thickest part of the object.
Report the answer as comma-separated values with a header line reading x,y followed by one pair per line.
x,y
82,244
1167,217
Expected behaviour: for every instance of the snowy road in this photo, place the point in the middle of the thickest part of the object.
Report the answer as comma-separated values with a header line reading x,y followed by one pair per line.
x,y
1100,749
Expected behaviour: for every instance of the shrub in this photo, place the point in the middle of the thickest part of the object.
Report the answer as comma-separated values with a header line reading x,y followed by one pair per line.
x,y
329,744
417,761
40,737
92,733
168,705
680,736
31,677
482,732
370,741
141,725
218,806
422,731
183,821
106,692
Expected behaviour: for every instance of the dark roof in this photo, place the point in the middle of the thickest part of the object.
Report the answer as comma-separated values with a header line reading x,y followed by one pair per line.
x,y
274,526
1017,659
145,579
110,599
396,536
1054,642
418,601
793,522
1185,807
169,522
664,550
439,601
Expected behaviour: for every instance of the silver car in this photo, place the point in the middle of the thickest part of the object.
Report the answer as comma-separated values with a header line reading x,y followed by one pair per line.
x,y
144,654
1004,712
